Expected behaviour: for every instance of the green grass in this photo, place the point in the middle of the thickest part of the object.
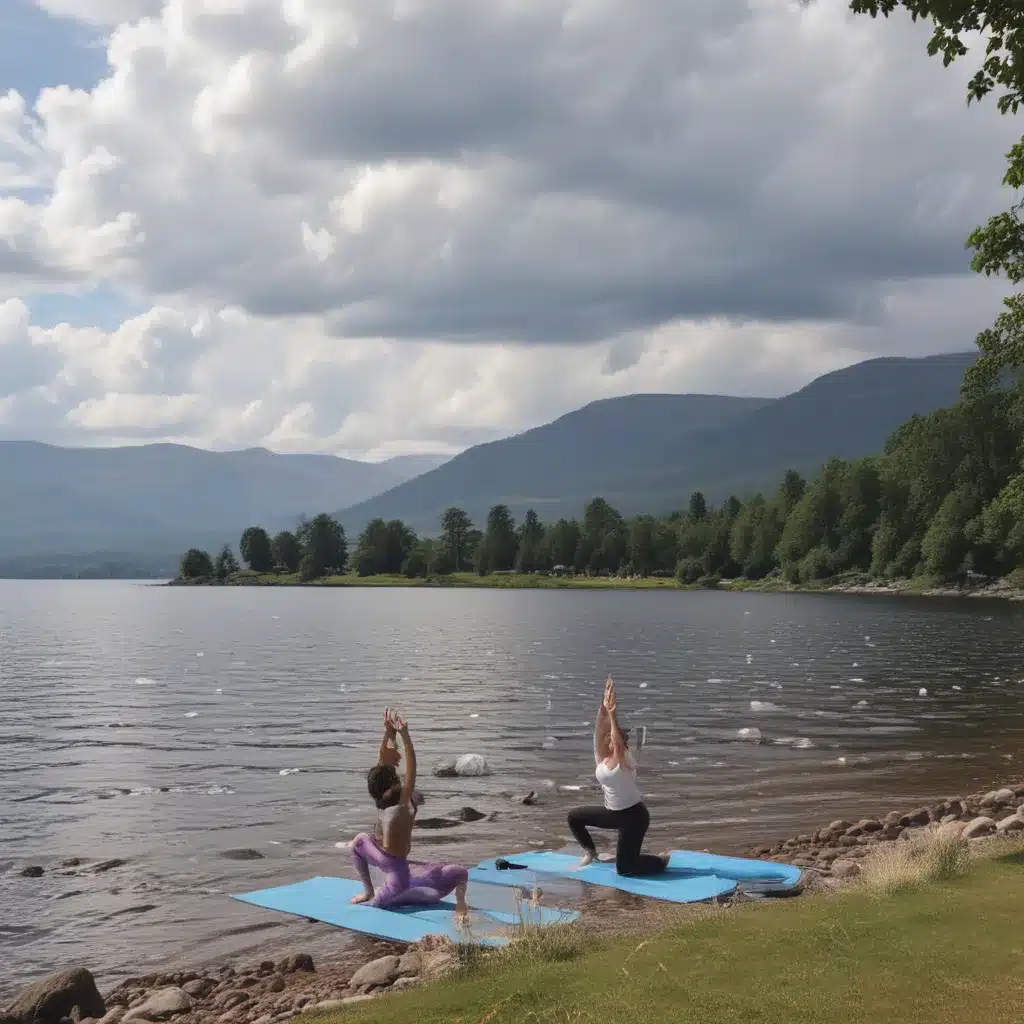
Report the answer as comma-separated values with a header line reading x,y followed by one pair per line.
x,y
510,581
949,952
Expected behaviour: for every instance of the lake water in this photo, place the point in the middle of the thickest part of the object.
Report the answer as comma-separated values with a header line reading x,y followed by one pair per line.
x,y
167,726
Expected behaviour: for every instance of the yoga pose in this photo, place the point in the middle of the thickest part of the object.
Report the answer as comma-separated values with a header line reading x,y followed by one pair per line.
x,y
388,849
624,810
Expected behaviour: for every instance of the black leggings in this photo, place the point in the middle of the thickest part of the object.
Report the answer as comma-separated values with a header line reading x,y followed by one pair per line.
x,y
631,824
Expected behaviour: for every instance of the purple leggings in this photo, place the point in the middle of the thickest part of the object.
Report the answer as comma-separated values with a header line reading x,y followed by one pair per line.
x,y
422,883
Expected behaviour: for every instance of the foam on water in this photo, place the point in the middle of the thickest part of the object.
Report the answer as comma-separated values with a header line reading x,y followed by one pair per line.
x,y
764,705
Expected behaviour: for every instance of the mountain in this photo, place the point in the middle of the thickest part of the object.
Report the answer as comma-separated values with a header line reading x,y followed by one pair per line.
x,y
161,498
647,453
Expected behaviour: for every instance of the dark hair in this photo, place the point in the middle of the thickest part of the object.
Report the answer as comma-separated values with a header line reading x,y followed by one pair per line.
x,y
381,779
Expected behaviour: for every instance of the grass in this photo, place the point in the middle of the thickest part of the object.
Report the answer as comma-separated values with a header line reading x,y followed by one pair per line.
x,y
509,581
937,951
908,866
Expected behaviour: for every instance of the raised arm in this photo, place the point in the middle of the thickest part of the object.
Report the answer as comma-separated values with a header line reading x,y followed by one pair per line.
x,y
619,751
602,730
409,779
388,742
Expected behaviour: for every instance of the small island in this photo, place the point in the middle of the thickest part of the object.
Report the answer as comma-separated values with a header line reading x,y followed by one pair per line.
x,y
941,510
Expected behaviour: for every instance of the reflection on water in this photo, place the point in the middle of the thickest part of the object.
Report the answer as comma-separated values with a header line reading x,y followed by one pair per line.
x,y
167,726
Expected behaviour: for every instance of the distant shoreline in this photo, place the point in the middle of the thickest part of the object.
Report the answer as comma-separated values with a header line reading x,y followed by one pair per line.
x,y
858,585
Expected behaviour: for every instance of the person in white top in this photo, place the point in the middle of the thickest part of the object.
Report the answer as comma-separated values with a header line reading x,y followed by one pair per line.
x,y
624,810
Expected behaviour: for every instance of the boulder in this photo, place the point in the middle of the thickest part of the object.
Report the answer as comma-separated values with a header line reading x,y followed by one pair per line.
x,y
295,963
981,826
891,832
199,988
108,865
32,871
163,1004
113,1015
951,829
405,983
376,974
437,964
1014,823
53,998
845,869
839,826
468,765
468,814
232,999
998,798
409,964
277,985
921,816
892,818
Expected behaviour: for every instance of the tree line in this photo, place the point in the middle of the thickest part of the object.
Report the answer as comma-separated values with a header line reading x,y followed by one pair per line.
x,y
945,498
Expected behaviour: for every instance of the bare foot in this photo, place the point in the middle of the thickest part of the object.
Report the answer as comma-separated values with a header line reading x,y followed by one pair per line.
x,y
363,897
587,859
665,858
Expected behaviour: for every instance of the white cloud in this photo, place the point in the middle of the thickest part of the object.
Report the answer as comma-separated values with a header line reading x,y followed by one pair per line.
x,y
375,227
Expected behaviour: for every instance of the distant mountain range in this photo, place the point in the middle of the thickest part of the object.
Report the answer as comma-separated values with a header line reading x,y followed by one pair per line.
x,y
155,500
103,511
647,453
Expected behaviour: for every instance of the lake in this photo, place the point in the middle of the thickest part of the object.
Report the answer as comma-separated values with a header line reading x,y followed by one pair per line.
x,y
169,726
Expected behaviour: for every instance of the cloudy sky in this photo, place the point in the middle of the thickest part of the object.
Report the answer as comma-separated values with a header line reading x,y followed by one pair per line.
x,y
375,227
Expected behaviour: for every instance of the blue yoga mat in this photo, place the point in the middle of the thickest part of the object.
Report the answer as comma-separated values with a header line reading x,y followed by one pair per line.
x,y
326,899
740,869
676,885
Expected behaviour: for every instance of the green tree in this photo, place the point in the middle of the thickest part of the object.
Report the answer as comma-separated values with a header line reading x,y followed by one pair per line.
x,y
561,542
792,490
602,546
256,550
324,550
456,528
419,560
383,547
497,550
286,551
225,563
529,548
1003,525
698,506
643,545
196,565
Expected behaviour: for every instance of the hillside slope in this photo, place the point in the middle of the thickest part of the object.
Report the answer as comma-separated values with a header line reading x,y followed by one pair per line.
x,y
647,453
160,497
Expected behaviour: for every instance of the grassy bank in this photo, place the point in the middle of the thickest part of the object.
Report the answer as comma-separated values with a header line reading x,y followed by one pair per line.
x,y
940,952
507,581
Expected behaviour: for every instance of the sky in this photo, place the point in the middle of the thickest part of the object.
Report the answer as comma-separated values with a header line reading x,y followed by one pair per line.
x,y
404,226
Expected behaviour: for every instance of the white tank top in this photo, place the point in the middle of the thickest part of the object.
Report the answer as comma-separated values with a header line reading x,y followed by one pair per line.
x,y
619,785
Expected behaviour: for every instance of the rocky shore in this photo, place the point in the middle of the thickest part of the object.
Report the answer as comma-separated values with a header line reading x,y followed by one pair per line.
x,y
274,992
835,850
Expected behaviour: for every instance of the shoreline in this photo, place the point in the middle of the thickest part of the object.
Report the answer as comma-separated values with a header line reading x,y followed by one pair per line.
x,y
859,584
276,992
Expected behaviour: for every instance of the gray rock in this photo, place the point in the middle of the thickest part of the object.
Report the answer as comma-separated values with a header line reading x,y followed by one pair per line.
x,y
921,816
892,818
233,999
840,826
951,829
1014,823
113,1015
469,814
409,964
436,964
108,865
405,983
54,997
241,854
277,985
845,869
998,798
468,765
981,826
32,871
199,987
376,974
162,1005
297,962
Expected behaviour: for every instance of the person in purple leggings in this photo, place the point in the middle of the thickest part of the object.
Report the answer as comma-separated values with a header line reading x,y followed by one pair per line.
x,y
388,849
